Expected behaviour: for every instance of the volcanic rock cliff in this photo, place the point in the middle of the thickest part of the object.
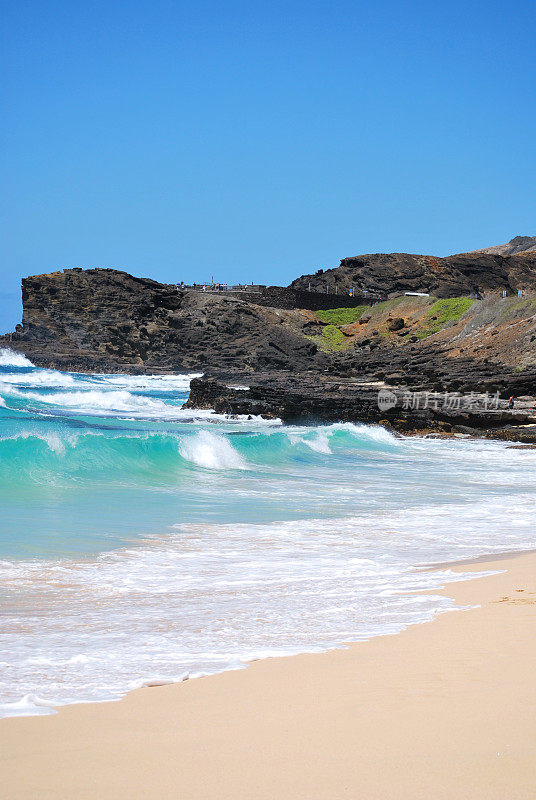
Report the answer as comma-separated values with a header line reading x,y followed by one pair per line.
x,y
107,320
389,273
104,319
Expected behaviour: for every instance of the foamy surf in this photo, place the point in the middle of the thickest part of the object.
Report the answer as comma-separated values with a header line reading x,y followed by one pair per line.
x,y
152,383
28,706
199,601
142,543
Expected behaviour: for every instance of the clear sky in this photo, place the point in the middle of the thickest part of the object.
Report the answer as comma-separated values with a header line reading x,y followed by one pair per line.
x,y
256,141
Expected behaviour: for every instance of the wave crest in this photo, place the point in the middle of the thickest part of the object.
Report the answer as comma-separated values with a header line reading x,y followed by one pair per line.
x,y
211,451
10,358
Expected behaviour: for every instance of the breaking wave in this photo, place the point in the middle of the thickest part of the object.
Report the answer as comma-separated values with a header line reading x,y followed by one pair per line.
x,y
36,456
36,378
9,358
211,451
110,402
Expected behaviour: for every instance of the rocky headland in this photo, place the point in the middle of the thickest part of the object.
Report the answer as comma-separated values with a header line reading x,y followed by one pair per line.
x,y
320,349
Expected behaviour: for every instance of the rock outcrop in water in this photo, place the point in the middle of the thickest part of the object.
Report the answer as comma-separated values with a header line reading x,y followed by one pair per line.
x,y
315,399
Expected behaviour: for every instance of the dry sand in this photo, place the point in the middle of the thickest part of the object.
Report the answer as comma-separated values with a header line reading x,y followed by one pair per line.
x,y
442,710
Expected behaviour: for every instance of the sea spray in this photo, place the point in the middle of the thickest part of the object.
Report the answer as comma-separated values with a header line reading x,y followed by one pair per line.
x,y
211,451
10,358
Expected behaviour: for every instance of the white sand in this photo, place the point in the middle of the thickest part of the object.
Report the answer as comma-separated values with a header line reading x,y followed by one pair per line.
x,y
443,710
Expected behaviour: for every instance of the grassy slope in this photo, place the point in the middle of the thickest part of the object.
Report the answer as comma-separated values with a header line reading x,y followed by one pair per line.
x,y
449,309
331,339
439,314
341,316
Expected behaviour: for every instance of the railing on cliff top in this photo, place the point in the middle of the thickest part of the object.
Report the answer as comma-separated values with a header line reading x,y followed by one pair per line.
x,y
222,288
288,297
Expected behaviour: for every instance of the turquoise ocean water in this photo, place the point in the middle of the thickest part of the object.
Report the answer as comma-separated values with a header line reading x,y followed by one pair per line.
x,y
142,542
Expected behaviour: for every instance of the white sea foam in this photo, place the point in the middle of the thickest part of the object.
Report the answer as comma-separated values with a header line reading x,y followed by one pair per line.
x,y
55,442
10,358
37,378
211,451
28,706
155,680
133,383
130,397
317,440
211,597
105,402
156,383
375,433
125,404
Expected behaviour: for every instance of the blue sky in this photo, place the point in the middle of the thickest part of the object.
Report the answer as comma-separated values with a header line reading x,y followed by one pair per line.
x,y
256,141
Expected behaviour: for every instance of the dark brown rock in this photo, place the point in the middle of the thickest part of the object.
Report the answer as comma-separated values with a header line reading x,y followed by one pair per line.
x,y
453,276
311,399
396,324
108,320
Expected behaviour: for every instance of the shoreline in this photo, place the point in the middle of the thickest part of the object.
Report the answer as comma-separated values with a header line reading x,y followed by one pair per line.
x,y
485,558
148,683
323,725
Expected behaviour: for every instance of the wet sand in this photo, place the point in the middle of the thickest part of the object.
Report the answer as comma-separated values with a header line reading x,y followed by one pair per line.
x,y
446,709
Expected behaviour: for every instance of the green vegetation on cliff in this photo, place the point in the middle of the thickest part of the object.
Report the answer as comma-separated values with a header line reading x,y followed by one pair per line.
x,y
331,339
341,316
450,309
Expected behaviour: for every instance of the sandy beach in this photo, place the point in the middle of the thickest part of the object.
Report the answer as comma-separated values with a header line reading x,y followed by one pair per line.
x,y
444,710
